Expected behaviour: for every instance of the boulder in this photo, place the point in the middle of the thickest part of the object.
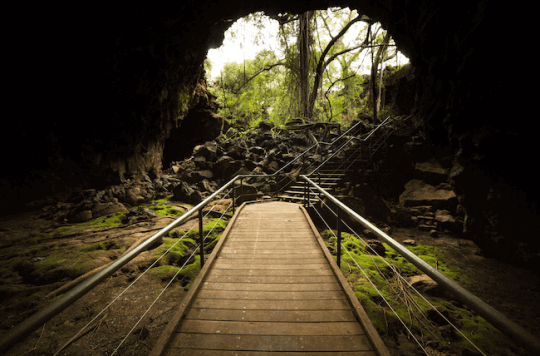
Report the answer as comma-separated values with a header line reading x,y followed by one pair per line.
x,y
447,222
205,186
257,150
424,284
236,153
208,150
196,197
198,176
242,171
133,196
431,171
402,217
247,192
369,234
82,216
200,162
375,247
378,208
273,166
102,209
183,192
418,193
250,165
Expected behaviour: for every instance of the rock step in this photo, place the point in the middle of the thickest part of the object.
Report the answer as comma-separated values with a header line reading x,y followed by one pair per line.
x,y
426,227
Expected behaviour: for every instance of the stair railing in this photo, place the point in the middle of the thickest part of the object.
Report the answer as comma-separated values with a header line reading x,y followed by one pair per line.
x,y
494,317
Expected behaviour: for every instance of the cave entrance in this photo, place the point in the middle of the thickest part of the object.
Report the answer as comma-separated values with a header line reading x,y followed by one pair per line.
x,y
257,74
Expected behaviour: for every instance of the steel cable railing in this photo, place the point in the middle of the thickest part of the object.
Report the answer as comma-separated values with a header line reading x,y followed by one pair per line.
x,y
200,246
396,272
141,275
374,287
367,137
494,317
57,306
33,322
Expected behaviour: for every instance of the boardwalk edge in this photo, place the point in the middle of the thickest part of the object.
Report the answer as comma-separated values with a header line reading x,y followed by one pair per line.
x,y
177,318
359,312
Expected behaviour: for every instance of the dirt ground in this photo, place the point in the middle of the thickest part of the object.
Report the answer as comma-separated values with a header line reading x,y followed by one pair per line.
x,y
513,291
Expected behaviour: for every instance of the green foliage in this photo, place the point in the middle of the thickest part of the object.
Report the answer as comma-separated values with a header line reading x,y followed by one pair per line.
x,y
385,283
249,94
177,252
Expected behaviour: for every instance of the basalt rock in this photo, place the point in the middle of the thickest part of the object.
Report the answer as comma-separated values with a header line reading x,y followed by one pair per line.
x,y
148,65
418,192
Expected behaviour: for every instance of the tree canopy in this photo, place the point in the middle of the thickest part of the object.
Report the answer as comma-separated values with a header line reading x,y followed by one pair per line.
x,y
313,75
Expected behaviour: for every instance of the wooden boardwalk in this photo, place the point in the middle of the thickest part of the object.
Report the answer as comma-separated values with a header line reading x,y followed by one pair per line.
x,y
270,287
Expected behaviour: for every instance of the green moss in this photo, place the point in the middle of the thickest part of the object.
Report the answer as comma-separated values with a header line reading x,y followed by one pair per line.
x,y
385,281
187,274
93,247
177,252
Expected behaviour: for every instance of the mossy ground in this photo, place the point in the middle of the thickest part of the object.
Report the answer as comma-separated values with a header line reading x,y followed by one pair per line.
x,y
397,294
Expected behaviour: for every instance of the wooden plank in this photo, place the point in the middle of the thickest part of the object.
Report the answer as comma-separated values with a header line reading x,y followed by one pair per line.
x,y
270,262
272,246
272,280
270,273
259,257
253,266
269,328
262,253
258,295
271,315
169,330
266,239
271,287
193,352
357,308
327,304
272,343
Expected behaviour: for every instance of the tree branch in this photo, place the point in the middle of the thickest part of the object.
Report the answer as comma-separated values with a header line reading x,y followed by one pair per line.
x,y
334,56
284,19
321,64
265,69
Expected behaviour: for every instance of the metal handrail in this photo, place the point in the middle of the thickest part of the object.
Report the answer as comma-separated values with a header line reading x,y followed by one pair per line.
x,y
33,322
383,123
494,317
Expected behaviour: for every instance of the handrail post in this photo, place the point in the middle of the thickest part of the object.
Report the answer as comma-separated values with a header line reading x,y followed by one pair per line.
x,y
319,176
338,252
308,196
305,193
242,189
201,239
233,198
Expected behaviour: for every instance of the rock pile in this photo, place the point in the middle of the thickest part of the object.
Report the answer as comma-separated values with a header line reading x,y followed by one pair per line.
x,y
194,179
432,206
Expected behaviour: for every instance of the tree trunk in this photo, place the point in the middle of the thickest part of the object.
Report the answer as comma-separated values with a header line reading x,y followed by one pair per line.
x,y
322,63
304,39
375,64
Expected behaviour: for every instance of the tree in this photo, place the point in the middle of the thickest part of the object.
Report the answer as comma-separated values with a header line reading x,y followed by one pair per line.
x,y
312,78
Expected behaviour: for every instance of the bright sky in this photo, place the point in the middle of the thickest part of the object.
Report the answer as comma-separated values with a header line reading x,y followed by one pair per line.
x,y
244,46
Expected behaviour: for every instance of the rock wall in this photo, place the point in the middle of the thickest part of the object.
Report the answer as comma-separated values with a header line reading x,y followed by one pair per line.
x,y
109,83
